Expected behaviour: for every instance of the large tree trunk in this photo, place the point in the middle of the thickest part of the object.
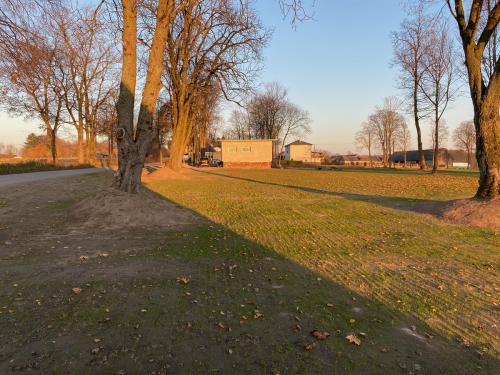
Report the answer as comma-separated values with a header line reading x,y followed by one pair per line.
x,y
417,125
81,155
48,142
133,145
178,145
486,103
53,148
487,152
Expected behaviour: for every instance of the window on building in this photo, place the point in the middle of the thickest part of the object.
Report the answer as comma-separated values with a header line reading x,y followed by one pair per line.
x,y
231,149
246,149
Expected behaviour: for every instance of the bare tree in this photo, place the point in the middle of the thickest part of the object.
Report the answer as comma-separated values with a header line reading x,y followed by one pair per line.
x,y
238,124
464,137
477,23
404,139
411,44
133,142
29,79
387,121
296,124
439,82
366,138
444,133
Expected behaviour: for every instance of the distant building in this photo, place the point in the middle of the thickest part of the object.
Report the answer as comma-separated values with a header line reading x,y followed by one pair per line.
x,y
101,156
376,161
445,159
299,151
246,153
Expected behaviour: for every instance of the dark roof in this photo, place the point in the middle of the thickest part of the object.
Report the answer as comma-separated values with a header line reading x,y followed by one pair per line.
x,y
413,155
350,157
375,158
299,142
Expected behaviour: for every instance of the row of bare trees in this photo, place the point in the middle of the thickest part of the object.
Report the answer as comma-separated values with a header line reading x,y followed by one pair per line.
x,y
385,128
269,114
477,24
59,66
428,72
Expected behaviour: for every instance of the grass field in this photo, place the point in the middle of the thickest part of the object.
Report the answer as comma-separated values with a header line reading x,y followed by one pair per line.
x,y
36,166
276,255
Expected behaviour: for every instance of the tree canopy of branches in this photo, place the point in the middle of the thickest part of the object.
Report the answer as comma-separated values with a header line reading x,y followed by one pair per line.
x,y
403,139
464,137
477,22
270,115
387,121
411,44
366,138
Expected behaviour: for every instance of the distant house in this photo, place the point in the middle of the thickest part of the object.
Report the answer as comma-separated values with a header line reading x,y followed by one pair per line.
x,y
351,160
101,156
445,159
376,161
299,151
246,153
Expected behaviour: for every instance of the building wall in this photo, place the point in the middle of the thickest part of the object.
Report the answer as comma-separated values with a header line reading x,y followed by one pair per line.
x,y
298,153
234,154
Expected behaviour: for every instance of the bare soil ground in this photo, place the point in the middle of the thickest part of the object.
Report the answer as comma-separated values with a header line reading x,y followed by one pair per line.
x,y
192,298
470,212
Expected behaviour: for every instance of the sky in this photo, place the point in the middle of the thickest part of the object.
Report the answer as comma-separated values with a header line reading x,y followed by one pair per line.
x,y
336,67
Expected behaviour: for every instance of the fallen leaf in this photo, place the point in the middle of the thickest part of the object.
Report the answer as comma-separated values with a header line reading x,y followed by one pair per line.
x,y
244,317
221,325
77,290
97,340
84,257
230,351
352,320
95,351
250,303
320,335
104,255
354,339
258,315
104,320
440,287
308,347
329,305
137,326
296,326
107,310
185,281
384,350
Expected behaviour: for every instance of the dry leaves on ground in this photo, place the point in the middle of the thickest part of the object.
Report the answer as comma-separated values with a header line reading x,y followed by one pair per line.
x,y
76,290
320,335
354,339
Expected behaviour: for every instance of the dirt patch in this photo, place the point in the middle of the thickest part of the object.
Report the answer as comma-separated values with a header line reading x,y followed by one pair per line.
x,y
111,208
162,174
468,212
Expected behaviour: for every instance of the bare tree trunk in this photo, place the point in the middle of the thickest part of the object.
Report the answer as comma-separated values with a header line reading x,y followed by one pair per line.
x,y
436,145
417,125
48,142
133,146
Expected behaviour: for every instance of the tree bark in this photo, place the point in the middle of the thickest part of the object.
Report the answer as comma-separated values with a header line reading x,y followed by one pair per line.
x,y
133,146
417,125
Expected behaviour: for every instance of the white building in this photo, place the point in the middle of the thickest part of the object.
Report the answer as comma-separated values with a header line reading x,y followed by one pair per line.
x,y
299,151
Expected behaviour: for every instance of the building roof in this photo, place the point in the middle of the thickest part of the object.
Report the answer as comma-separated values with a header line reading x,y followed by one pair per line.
x,y
351,157
367,158
413,155
245,140
299,143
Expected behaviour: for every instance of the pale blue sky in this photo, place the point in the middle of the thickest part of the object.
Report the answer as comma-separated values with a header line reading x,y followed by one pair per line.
x,y
336,67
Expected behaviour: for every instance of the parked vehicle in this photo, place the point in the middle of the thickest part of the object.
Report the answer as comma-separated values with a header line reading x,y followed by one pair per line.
x,y
203,162
216,162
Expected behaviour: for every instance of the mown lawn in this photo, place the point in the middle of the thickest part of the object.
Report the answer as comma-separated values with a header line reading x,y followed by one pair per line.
x,y
352,227
275,255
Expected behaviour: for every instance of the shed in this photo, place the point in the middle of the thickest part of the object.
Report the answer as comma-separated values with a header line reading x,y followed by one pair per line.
x,y
246,153
299,151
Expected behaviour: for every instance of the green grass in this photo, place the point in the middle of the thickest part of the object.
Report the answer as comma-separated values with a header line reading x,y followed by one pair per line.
x,y
352,228
36,166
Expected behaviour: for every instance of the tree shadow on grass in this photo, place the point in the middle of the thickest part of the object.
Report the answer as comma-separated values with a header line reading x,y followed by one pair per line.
x,y
206,299
398,203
